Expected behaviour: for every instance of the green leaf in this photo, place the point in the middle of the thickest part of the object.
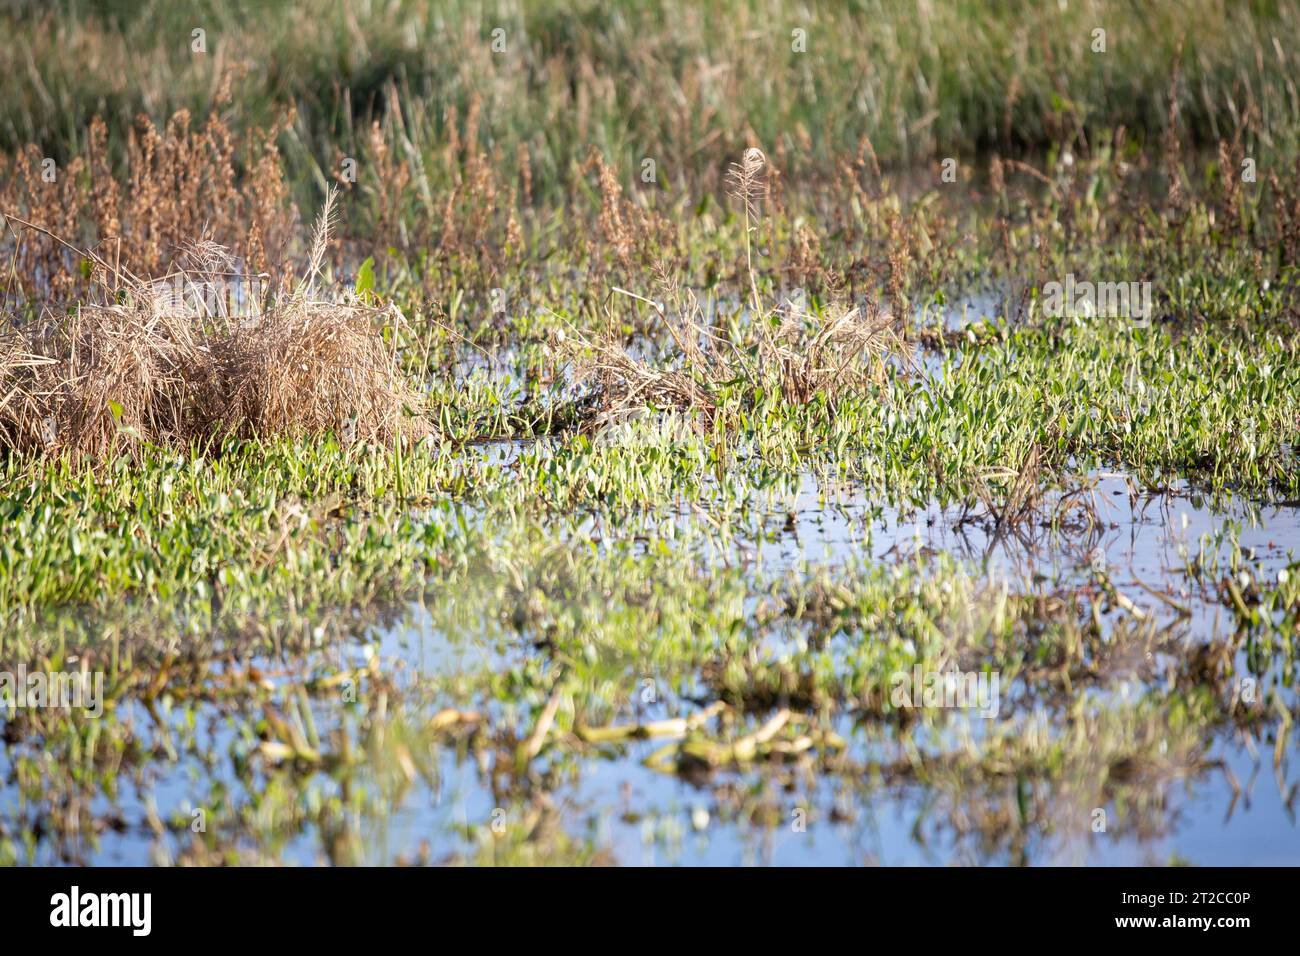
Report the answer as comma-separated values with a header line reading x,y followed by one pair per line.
x,y
366,277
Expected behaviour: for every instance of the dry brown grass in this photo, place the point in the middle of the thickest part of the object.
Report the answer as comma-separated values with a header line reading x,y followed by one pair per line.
x,y
170,363
177,183
806,355
803,354
830,353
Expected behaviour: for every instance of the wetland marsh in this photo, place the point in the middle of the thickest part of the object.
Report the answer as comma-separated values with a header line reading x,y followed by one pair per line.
x,y
532,512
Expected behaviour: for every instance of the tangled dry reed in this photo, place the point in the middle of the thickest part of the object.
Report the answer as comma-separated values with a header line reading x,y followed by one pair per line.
x,y
803,353
200,356
809,354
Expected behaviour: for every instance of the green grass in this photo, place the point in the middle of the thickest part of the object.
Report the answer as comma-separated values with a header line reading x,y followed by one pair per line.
x,y
1220,409
921,82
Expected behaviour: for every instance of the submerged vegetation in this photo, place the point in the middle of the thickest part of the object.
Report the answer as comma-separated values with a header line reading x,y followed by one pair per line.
x,y
539,505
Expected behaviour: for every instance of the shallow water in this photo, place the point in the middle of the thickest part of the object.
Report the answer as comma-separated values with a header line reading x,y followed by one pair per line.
x,y
630,814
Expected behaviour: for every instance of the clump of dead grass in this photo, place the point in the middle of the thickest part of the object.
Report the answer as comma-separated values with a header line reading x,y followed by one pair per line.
x,y
802,353
180,362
